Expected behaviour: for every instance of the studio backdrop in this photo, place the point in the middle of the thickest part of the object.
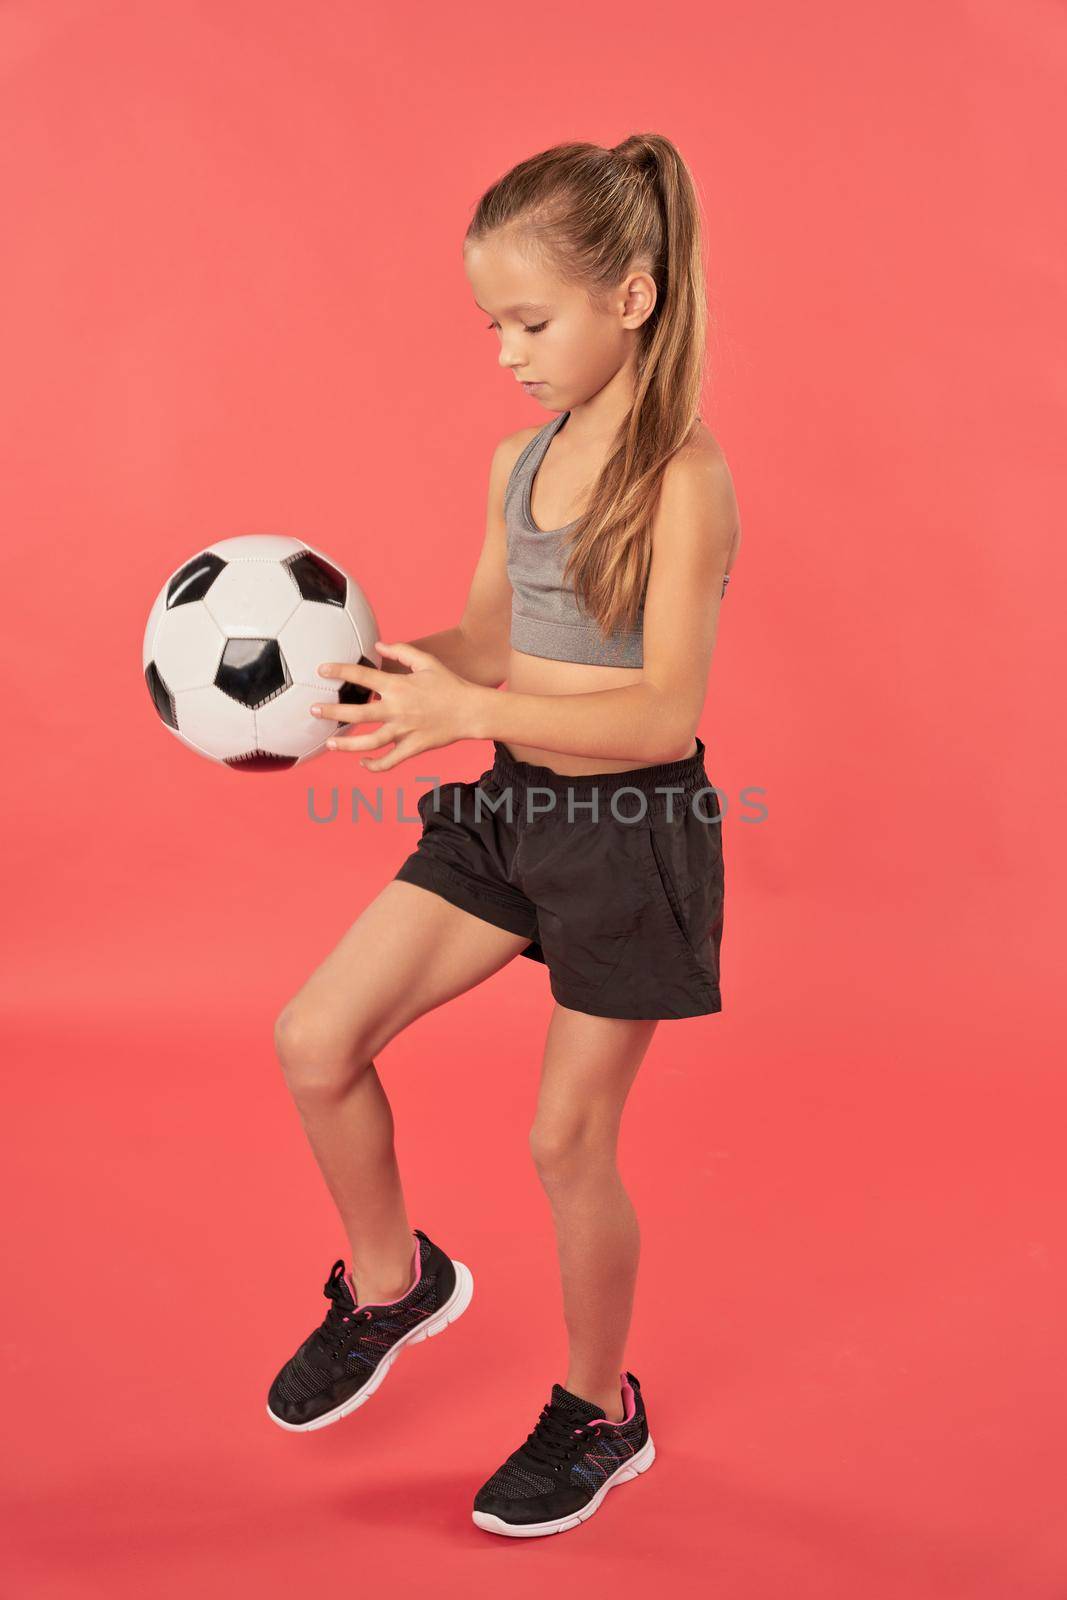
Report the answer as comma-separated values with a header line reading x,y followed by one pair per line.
x,y
232,302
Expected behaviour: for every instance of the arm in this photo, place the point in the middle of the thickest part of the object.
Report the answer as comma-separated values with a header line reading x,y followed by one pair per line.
x,y
477,648
694,530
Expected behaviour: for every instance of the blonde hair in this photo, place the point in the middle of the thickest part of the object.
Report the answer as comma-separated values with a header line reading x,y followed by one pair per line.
x,y
591,215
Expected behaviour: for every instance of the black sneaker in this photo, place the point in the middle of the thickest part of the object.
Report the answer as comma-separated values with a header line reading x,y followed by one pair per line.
x,y
574,1455
340,1365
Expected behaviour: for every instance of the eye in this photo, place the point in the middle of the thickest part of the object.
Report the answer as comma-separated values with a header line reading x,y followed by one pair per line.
x,y
541,326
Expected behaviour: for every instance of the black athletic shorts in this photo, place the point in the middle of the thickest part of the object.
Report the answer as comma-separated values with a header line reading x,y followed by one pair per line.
x,y
616,878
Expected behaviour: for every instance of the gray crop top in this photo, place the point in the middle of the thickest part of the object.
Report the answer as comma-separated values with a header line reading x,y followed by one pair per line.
x,y
545,618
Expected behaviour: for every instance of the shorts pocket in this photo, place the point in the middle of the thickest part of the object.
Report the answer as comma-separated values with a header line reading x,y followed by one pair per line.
x,y
687,862
674,894
590,884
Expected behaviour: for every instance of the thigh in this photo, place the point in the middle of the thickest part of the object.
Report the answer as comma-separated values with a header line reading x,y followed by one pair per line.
x,y
408,952
587,1071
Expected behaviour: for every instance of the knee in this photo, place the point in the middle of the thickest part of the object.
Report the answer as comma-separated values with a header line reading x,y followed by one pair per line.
x,y
569,1152
319,1063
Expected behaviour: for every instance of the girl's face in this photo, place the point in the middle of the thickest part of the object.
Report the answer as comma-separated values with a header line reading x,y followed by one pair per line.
x,y
548,331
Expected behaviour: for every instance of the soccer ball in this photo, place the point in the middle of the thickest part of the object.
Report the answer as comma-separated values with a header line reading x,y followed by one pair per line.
x,y
232,646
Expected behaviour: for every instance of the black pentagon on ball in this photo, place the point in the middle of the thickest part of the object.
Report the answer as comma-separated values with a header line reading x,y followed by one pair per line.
x,y
356,694
317,580
260,761
193,581
162,698
252,671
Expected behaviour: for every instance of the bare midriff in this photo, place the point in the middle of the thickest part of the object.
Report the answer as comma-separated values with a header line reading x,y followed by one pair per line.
x,y
539,675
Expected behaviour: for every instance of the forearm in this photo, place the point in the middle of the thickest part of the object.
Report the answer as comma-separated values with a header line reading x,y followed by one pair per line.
x,y
631,723
460,654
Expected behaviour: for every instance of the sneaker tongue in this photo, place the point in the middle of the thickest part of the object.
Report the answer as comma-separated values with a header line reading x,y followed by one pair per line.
x,y
573,1405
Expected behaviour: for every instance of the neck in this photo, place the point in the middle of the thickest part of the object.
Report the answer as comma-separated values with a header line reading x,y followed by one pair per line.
x,y
597,421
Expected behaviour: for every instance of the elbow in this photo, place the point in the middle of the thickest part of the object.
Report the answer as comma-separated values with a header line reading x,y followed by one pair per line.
x,y
486,657
668,736
665,745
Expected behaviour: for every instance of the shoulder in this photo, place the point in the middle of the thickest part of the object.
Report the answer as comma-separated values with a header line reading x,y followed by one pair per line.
x,y
698,474
510,448
697,499
503,485
505,459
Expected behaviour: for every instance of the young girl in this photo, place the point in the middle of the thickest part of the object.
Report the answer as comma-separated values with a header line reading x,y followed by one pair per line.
x,y
592,844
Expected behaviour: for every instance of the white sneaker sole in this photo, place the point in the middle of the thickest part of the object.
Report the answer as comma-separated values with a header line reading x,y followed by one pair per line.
x,y
534,1530
453,1308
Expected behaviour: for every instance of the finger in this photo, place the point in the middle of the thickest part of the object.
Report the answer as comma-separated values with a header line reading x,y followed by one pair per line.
x,y
408,654
353,672
338,711
404,748
363,741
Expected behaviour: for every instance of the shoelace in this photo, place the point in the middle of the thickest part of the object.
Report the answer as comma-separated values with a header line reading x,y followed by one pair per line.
x,y
337,1327
555,1438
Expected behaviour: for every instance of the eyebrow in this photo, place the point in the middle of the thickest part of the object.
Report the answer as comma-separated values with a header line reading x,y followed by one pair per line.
x,y
525,305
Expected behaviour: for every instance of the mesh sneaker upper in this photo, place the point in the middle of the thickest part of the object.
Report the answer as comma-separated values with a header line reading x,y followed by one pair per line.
x,y
608,1449
608,1446
513,1481
352,1340
605,1448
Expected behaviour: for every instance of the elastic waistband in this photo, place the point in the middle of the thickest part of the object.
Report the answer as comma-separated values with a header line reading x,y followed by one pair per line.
x,y
684,777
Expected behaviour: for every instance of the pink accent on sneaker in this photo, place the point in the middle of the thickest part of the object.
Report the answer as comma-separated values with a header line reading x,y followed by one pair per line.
x,y
629,1408
609,1462
416,1267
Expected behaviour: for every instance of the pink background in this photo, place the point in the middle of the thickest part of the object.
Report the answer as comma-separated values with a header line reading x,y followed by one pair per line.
x,y
232,301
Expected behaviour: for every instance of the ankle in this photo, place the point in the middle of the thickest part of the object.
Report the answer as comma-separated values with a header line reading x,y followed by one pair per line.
x,y
380,1279
608,1396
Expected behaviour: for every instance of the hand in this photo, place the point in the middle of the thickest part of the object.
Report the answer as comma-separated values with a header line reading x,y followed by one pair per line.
x,y
420,709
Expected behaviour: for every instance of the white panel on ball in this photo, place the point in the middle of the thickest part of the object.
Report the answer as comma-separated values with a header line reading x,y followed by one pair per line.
x,y
216,725
286,727
252,599
188,647
314,634
257,547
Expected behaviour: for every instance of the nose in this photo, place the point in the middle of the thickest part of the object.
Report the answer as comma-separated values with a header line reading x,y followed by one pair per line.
x,y
506,358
